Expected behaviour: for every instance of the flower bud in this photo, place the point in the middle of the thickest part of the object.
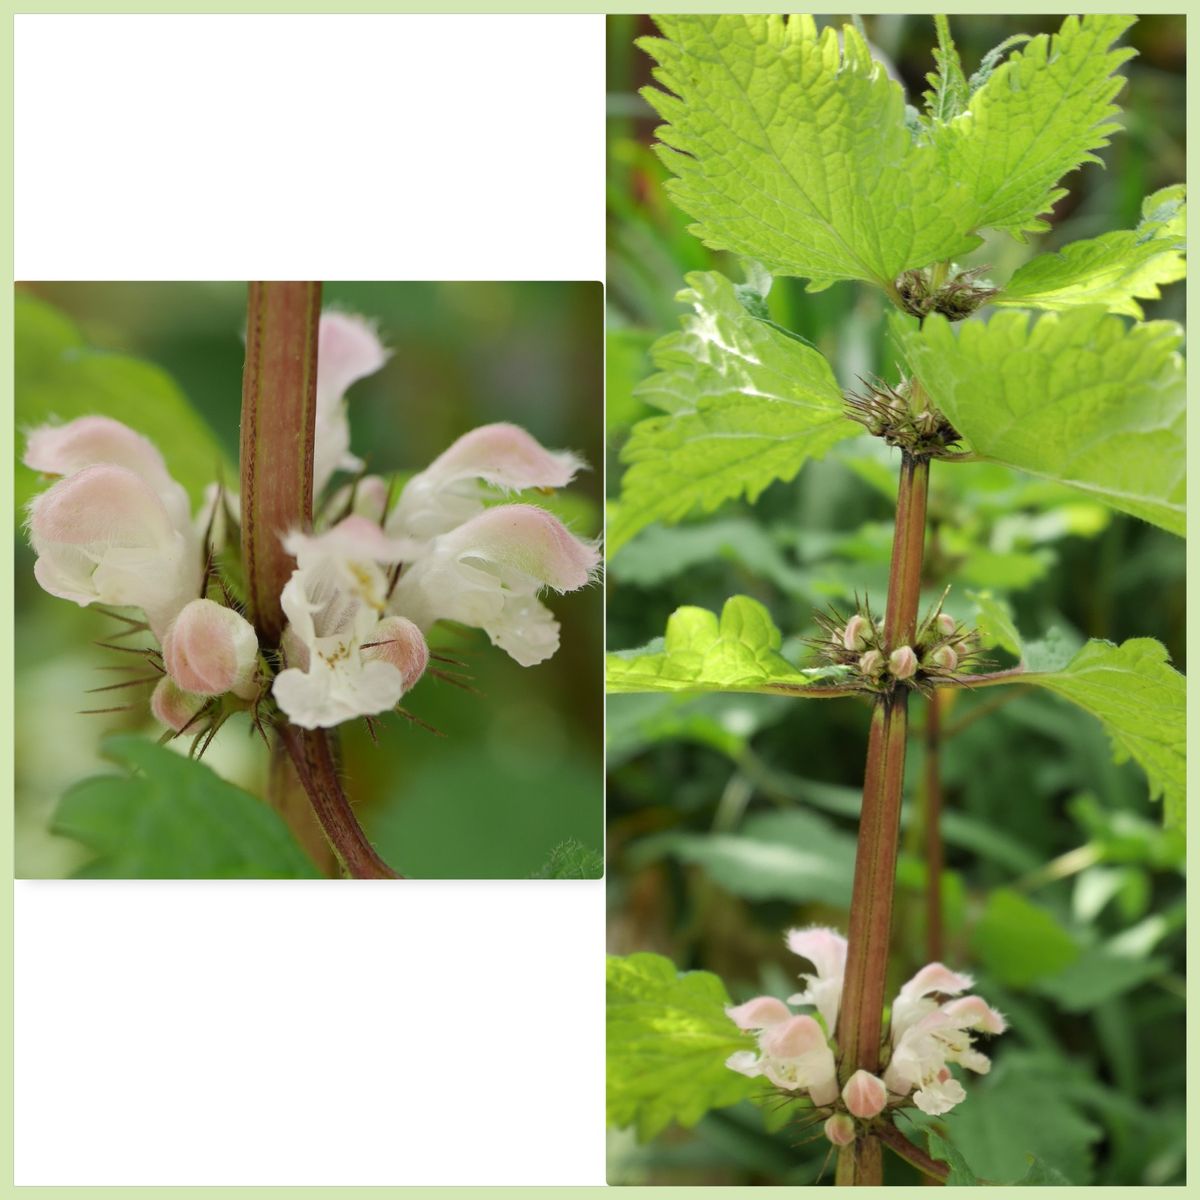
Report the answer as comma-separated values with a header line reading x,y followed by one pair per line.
x,y
944,657
865,1095
172,706
839,1129
946,624
210,650
399,642
871,664
854,635
903,663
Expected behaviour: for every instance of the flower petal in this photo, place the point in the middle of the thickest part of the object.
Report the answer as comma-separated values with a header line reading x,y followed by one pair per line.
x,y
824,948
759,1013
210,649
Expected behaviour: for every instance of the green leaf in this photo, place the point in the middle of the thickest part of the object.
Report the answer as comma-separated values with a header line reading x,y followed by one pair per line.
x,y
796,855
170,817
793,152
1097,976
1080,398
948,94
961,1174
571,860
1042,1174
59,378
1039,115
1141,701
1022,1109
1020,942
1115,270
746,405
740,653
668,1039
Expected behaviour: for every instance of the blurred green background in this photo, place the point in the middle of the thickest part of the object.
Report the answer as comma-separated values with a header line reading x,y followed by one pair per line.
x,y
733,818
519,768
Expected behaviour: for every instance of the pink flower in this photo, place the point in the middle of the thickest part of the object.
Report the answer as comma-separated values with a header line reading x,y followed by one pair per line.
x,y
793,1052
839,1129
826,950
864,1095
172,706
451,489
348,349
488,573
103,534
210,650
927,1036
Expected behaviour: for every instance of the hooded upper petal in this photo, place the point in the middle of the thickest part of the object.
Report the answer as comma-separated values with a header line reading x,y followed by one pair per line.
x,y
826,950
448,491
487,573
104,534
348,349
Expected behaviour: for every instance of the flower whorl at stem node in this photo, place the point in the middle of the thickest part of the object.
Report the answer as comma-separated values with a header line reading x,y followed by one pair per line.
x,y
926,1036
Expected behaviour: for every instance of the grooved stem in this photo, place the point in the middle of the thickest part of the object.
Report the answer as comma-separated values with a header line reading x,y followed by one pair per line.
x,y
934,852
860,1022
279,397
311,754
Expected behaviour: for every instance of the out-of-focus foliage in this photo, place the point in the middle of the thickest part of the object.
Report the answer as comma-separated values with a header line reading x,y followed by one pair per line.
x,y
732,817
517,771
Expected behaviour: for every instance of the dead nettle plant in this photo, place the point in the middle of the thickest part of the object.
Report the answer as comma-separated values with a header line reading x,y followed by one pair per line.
x,y
305,605
794,148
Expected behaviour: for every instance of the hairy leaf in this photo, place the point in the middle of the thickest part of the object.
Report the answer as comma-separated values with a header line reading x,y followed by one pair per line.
x,y
948,92
1116,269
1079,397
668,1039
58,378
738,653
793,151
745,405
169,817
1041,114
571,860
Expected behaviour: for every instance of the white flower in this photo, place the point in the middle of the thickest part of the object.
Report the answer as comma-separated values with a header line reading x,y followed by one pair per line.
x,y
452,488
826,950
927,1036
344,659
488,572
348,349
102,534
793,1051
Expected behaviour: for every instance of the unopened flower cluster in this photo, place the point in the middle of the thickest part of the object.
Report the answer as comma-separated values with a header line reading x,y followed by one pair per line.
x,y
934,1025
370,581
940,649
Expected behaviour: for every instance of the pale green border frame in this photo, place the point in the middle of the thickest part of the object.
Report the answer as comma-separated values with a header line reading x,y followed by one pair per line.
x,y
287,7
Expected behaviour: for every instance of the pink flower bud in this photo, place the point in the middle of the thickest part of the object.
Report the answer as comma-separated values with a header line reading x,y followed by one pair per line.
x,y
865,1095
210,650
944,657
871,664
172,706
854,635
946,624
760,1013
903,663
399,642
839,1129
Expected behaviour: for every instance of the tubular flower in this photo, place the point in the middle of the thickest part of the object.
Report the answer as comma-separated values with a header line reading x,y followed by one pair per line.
x,y
826,950
348,350
103,534
342,664
793,1052
943,1035
209,650
452,489
488,572
933,1025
